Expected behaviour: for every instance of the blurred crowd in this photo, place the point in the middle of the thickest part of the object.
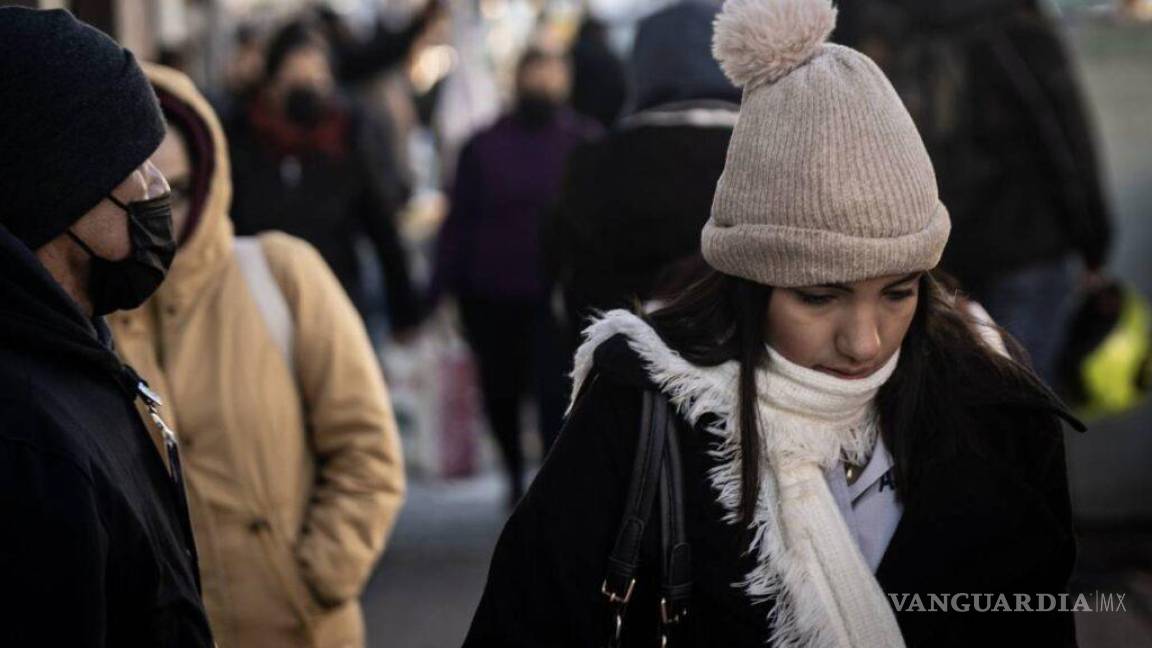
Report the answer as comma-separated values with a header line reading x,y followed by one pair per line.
x,y
304,243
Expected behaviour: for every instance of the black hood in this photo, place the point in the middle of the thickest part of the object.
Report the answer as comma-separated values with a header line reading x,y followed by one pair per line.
x,y
37,316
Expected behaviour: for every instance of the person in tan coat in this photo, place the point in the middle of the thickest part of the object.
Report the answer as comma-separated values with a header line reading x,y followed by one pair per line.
x,y
290,448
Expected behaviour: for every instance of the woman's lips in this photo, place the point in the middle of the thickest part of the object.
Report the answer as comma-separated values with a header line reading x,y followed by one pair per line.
x,y
846,374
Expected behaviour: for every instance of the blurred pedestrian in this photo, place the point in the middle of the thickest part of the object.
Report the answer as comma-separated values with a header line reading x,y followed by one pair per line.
x,y
243,70
489,251
96,547
599,80
812,433
993,92
633,203
293,461
357,60
308,161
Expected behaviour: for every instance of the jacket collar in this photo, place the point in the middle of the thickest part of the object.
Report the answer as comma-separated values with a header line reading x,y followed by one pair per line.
x,y
38,316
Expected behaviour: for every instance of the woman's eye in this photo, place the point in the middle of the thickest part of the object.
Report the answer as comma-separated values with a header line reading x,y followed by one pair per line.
x,y
901,295
813,299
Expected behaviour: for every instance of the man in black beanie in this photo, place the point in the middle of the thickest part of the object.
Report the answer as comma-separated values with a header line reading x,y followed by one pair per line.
x,y
96,547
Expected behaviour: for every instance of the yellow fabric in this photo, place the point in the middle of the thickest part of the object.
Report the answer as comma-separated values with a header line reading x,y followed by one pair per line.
x,y
294,481
1111,374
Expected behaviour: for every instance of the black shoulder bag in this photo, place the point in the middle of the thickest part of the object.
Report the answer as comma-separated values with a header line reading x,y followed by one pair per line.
x,y
656,472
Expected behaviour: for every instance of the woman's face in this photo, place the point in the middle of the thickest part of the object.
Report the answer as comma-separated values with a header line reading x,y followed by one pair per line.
x,y
846,330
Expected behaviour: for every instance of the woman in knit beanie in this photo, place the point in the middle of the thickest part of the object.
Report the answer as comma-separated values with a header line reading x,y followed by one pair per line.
x,y
853,461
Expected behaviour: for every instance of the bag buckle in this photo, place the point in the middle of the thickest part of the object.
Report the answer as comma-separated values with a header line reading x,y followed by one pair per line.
x,y
619,603
615,598
666,616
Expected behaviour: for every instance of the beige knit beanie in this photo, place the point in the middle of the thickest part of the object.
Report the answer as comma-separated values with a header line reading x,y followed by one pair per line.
x,y
827,179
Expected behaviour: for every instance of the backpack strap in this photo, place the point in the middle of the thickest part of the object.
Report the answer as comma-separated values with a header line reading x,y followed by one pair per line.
x,y
656,470
266,293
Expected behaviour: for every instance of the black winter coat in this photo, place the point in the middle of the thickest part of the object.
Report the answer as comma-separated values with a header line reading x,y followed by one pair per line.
x,y
96,547
996,98
632,206
975,525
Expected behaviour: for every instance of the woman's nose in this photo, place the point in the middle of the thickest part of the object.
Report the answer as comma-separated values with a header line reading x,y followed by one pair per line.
x,y
858,339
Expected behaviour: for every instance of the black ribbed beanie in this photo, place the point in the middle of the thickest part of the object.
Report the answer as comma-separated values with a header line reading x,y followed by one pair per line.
x,y
77,116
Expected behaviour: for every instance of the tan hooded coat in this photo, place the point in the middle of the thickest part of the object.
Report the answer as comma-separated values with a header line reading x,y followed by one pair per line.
x,y
294,477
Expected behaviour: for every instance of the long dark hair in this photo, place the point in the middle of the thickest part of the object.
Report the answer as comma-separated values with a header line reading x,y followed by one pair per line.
x,y
944,361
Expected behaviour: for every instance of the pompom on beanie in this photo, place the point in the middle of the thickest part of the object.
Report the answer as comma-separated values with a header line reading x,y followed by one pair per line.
x,y
77,116
827,179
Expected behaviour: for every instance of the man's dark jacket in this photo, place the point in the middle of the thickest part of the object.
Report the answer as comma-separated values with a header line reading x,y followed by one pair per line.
x,y
988,523
95,543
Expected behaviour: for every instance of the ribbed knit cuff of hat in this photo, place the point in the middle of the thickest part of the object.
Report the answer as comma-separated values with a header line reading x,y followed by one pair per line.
x,y
791,257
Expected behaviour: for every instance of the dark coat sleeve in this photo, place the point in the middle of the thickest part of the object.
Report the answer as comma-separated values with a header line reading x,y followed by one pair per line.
x,y
383,195
566,238
543,587
53,550
993,519
1040,458
560,246
452,242
1035,56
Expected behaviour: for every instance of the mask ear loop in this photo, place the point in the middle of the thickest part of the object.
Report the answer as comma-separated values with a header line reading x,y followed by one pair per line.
x,y
82,244
119,204
79,241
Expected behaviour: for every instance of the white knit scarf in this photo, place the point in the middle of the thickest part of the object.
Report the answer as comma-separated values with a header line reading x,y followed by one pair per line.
x,y
807,559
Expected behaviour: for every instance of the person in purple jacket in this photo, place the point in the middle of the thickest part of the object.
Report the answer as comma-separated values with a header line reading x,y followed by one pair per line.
x,y
489,251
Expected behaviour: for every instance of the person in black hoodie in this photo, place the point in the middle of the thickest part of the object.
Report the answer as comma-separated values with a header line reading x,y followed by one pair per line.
x,y
97,548
633,202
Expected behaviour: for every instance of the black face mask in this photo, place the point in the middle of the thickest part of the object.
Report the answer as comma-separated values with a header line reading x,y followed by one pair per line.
x,y
304,107
536,111
129,282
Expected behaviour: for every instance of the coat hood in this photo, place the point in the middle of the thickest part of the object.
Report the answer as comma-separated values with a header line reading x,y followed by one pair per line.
x,y
207,242
37,316
672,58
